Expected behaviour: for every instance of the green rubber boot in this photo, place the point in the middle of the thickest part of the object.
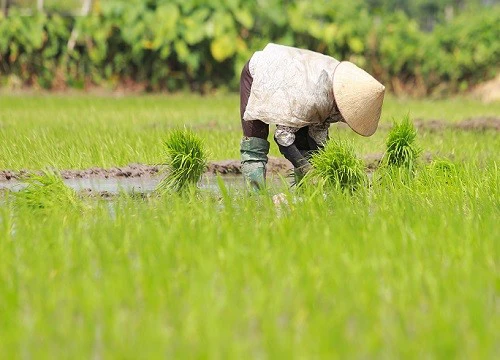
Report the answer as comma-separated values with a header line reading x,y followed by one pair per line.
x,y
253,161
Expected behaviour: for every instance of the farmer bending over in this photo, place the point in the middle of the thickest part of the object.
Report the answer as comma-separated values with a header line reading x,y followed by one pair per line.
x,y
302,92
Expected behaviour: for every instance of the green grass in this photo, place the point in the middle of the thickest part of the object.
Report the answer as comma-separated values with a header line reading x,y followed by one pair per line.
x,y
403,268
84,131
402,272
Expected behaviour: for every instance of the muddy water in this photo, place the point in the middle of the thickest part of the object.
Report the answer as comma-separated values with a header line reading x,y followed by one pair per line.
x,y
137,185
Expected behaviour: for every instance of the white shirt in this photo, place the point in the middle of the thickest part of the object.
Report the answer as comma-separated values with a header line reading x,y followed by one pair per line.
x,y
292,88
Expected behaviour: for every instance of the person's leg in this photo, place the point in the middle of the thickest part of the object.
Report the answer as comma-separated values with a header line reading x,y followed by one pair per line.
x,y
254,146
304,146
255,128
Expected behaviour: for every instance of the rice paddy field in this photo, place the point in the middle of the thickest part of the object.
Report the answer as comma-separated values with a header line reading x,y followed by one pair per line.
x,y
406,267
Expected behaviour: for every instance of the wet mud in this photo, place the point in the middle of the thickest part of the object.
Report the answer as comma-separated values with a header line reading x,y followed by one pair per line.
x,y
142,173
223,167
129,171
138,180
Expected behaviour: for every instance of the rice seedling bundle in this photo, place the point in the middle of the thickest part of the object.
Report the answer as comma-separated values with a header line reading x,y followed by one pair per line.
x,y
47,191
186,161
401,150
337,165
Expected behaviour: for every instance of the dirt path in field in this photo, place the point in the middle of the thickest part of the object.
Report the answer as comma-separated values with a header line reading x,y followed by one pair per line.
x,y
478,124
224,167
482,123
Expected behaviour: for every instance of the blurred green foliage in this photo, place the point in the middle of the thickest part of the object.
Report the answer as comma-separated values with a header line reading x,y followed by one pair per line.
x,y
200,45
61,6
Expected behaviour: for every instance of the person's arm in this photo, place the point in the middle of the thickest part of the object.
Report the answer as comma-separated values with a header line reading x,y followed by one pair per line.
x,y
317,136
285,138
294,155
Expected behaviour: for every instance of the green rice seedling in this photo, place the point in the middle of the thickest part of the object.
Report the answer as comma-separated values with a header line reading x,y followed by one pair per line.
x,y
440,173
401,150
443,167
186,161
47,191
337,165
80,131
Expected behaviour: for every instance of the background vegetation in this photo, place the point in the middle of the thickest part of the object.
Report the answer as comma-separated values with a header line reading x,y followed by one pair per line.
x,y
417,47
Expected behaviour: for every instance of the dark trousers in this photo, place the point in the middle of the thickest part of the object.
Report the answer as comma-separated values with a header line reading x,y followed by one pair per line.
x,y
257,128
253,128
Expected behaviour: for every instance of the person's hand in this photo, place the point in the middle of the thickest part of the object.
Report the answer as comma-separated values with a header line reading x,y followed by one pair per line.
x,y
301,171
305,168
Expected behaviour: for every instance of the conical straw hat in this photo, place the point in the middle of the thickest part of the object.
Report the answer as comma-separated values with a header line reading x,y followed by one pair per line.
x,y
359,97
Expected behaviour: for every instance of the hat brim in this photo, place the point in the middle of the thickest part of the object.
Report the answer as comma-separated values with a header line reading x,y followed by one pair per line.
x,y
359,98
